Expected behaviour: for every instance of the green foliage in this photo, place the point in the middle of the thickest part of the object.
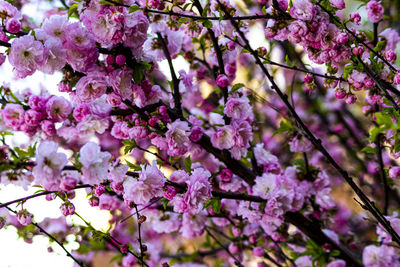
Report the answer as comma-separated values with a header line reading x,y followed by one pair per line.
x,y
236,87
215,203
207,24
347,71
73,11
129,146
134,8
188,164
284,126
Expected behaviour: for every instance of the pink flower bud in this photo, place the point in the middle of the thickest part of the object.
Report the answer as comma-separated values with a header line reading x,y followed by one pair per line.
x,y
253,239
233,248
236,231
308,78
50,197
340,93
390,55
210,211
355,17
222,80
258,252
81,112
99,190
231,45
64,87
120,60
67,208
3,222
196,134
113,99
2,59
13,25
94,201
396,78
358,51
142,219
48,128
342,38
153,121
350,99
226,175
32,117
4,37
68,183
110,60
169,192
24,217
394,172
124,248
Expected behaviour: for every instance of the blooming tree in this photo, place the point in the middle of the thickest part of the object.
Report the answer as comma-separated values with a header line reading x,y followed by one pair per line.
x,y
245,156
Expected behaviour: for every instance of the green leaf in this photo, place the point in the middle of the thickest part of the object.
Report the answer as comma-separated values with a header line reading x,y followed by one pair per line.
x,y
288,61
105,2
208,24
236,87
284,126
72,10
134,8
347,71
380,46
215,204
188,164
129,145
165,203
117,257
369,150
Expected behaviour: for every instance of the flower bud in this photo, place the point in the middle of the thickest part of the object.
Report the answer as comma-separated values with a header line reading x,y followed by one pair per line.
x,y
226,175
24,217
350,99
390,55
120,60
258,252
169,192
222,80
308,78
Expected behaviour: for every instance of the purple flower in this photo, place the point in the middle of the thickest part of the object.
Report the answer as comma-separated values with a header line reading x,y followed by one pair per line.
x,y
13,115
193,224
32,117
149,184
382,256
223,138
178,138
24,217
339,4
91,87
222,80
94,163
238,108
199,190
26,55
135,29
374,11
355,17
58,108
303,10
49,165
300,144
13,25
